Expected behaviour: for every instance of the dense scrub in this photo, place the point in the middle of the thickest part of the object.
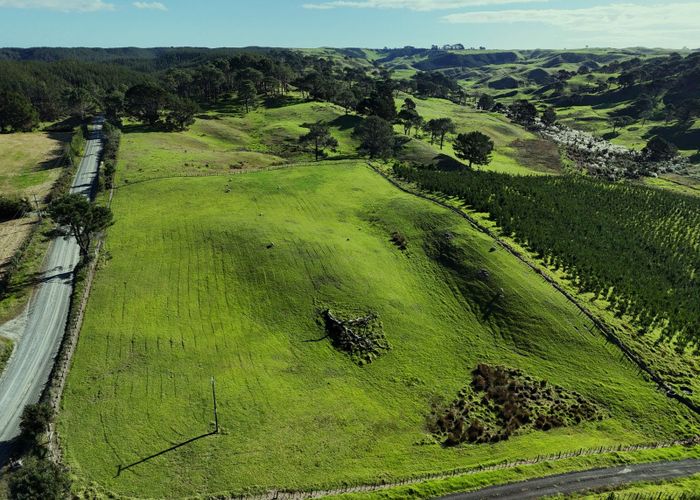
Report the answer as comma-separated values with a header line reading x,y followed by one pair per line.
x,y
637,247
361,337
501,402
13,208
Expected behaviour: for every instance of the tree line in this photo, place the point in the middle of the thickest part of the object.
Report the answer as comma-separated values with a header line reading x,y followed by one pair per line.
x,y
637,248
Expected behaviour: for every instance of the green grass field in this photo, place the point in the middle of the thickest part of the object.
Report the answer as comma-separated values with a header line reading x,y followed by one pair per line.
x,y
189,289
225,140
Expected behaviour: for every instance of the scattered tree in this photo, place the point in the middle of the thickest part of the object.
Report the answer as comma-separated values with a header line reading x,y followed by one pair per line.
x,y
617,122
659,149
17,113
486,102
376,137
82,218
320,138
439,128
474,147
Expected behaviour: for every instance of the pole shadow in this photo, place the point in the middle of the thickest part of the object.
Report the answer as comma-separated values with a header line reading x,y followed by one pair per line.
x,y
122,468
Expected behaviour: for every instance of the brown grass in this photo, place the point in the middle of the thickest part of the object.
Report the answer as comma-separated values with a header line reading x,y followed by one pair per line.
x,y
12,235
537,154
29,163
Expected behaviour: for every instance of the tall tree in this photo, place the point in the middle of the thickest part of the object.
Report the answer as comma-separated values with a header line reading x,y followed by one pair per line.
x,y
144,102
380,102
347,99
486,102
82,219
549,117
17,113
319,138
35,421
247,94
181,112
439,128
474,147
659,149
523,112
376,137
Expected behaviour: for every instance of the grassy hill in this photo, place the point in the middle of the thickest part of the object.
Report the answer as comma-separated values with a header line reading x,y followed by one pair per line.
x,y
226,276
517,151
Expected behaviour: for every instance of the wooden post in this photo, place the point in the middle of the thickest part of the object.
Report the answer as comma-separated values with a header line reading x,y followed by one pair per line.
x,y
216,414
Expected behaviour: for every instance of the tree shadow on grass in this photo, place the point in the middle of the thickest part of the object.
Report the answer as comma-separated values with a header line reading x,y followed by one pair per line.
x,y
121,468
346,122
681,135
281,101
141,128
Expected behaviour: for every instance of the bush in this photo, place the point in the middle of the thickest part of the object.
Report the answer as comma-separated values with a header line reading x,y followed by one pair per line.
x,y
13,208
39,479
35,421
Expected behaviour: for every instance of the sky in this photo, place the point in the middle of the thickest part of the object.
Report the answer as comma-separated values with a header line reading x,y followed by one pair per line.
x,y
496,24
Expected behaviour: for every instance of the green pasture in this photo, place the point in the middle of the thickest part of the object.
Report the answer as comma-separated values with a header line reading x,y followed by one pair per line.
x,y
226,140
226,277
517,151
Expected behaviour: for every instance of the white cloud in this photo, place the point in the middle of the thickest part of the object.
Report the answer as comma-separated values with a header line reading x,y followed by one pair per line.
x,y
617,21
418,5
60,5
150,5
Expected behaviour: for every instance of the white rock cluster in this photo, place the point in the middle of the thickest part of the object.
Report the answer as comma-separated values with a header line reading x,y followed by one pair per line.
x,y
602,158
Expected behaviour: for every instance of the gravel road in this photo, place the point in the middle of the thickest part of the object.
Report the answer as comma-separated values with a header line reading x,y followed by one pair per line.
x,y
563,484
43,324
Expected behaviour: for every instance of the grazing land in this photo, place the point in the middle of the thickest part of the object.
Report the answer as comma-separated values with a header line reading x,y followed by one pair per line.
x,y
231,277
517,151
30,163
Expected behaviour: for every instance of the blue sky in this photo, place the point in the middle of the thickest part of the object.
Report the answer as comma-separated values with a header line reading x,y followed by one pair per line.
x,y
351,23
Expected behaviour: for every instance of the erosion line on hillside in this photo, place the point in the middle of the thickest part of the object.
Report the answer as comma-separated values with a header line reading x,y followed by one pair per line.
x,y
600,324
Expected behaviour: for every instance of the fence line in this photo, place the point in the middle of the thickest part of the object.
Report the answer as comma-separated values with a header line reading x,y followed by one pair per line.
x,y
607,332
465,471
53,392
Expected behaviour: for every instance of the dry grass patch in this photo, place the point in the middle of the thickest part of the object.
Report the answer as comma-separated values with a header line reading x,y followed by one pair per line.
x,y
12,235
30,162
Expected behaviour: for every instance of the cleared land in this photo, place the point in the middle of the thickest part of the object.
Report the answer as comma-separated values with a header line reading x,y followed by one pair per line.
x,y
30,166
29,163
193,288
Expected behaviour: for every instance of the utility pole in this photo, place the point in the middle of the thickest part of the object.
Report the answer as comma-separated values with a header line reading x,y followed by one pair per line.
x,y
38,209
216,414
